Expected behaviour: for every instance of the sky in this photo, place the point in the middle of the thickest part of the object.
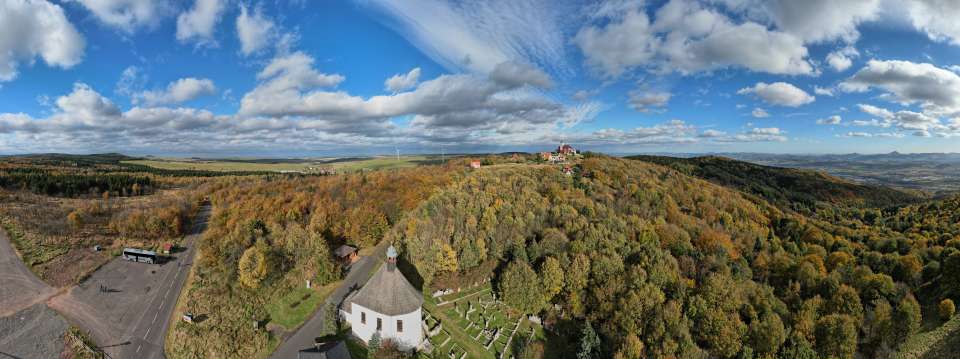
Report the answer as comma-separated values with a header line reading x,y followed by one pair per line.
x,y
299,78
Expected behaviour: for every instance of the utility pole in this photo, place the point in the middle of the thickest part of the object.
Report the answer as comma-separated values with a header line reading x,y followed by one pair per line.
x,y
398,153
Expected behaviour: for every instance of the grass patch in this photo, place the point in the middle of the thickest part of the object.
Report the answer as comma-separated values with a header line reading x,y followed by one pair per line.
x,y
941,342
80,345
33,252
292,309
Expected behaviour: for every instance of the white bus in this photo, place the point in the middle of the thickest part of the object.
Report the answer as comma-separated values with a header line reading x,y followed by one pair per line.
x,y
139,255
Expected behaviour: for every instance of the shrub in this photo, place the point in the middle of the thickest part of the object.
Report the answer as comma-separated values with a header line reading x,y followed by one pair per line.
x,y
946,309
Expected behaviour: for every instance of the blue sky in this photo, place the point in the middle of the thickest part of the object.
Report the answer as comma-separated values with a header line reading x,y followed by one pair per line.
x,y
314,78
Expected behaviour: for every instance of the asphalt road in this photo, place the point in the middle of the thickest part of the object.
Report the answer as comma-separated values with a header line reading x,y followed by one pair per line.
x,y
360,272
150,330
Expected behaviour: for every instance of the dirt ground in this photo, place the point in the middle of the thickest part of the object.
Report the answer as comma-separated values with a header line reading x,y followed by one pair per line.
x,y
35,332
20,288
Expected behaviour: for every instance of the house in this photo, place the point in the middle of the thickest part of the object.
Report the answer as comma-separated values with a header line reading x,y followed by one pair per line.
x,y
346,254
567,170
167,248
389,305
475,164
325,350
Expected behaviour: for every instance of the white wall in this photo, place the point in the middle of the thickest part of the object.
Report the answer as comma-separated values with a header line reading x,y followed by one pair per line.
x,y
412,333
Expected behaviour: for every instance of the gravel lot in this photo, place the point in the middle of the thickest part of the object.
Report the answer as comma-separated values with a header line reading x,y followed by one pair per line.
x,y
35,332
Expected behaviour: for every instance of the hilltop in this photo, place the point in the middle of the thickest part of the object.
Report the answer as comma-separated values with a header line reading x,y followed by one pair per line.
x,y
797,189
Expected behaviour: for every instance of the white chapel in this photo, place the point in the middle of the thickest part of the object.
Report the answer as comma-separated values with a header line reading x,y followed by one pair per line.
x,y
388,304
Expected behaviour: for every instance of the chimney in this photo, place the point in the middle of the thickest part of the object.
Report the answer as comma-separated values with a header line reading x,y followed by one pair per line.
x,y
391,258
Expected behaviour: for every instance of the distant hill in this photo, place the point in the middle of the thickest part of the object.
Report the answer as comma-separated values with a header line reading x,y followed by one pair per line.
x,y
797,189
63,159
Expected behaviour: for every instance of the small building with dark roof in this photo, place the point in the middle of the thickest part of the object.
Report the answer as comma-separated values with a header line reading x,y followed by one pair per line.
x,y
346,254
387,304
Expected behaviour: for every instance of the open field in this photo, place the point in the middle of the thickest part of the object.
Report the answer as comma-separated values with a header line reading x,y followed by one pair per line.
x,y
55,236
305,165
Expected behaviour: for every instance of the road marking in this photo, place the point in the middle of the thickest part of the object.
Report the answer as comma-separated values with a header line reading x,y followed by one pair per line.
x,y
148,333
155,317
162,302
138,347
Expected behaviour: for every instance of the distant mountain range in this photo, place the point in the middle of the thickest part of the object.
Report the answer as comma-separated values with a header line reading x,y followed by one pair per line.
x,y
937,173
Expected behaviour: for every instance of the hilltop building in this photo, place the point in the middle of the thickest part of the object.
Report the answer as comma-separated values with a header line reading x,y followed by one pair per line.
x,y
566,149
387,304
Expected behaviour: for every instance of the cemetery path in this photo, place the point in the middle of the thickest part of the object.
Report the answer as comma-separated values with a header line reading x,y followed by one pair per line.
x,y
303,338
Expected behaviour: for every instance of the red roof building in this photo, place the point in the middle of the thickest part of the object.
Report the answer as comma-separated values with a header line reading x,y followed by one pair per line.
x,y
475,164
566,149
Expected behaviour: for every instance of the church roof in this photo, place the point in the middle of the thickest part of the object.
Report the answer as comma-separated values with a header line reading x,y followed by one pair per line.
x,y
388,292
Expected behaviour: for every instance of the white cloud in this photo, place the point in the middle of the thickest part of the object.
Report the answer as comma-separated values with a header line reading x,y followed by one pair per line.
x,y
198,23
620,45
86,105
875,111
674,131
779,93
131,81
876,134
583,95
841,60
821,91
479,35
36,28
459,107
180,91
759,113
904,120
646,101
128,15
516,74
937,18
871,123
936,90
767,134
712,134
819,20
689,38
255,31
832,120
400,82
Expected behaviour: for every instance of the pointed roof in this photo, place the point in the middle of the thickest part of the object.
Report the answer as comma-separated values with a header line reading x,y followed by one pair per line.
x,y
388,292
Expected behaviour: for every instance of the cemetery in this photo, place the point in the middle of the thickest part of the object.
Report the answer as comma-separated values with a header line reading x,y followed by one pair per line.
x,y
472,322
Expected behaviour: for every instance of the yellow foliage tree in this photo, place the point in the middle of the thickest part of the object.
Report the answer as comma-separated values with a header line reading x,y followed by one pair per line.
x,y
552,277
254,265
447,259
